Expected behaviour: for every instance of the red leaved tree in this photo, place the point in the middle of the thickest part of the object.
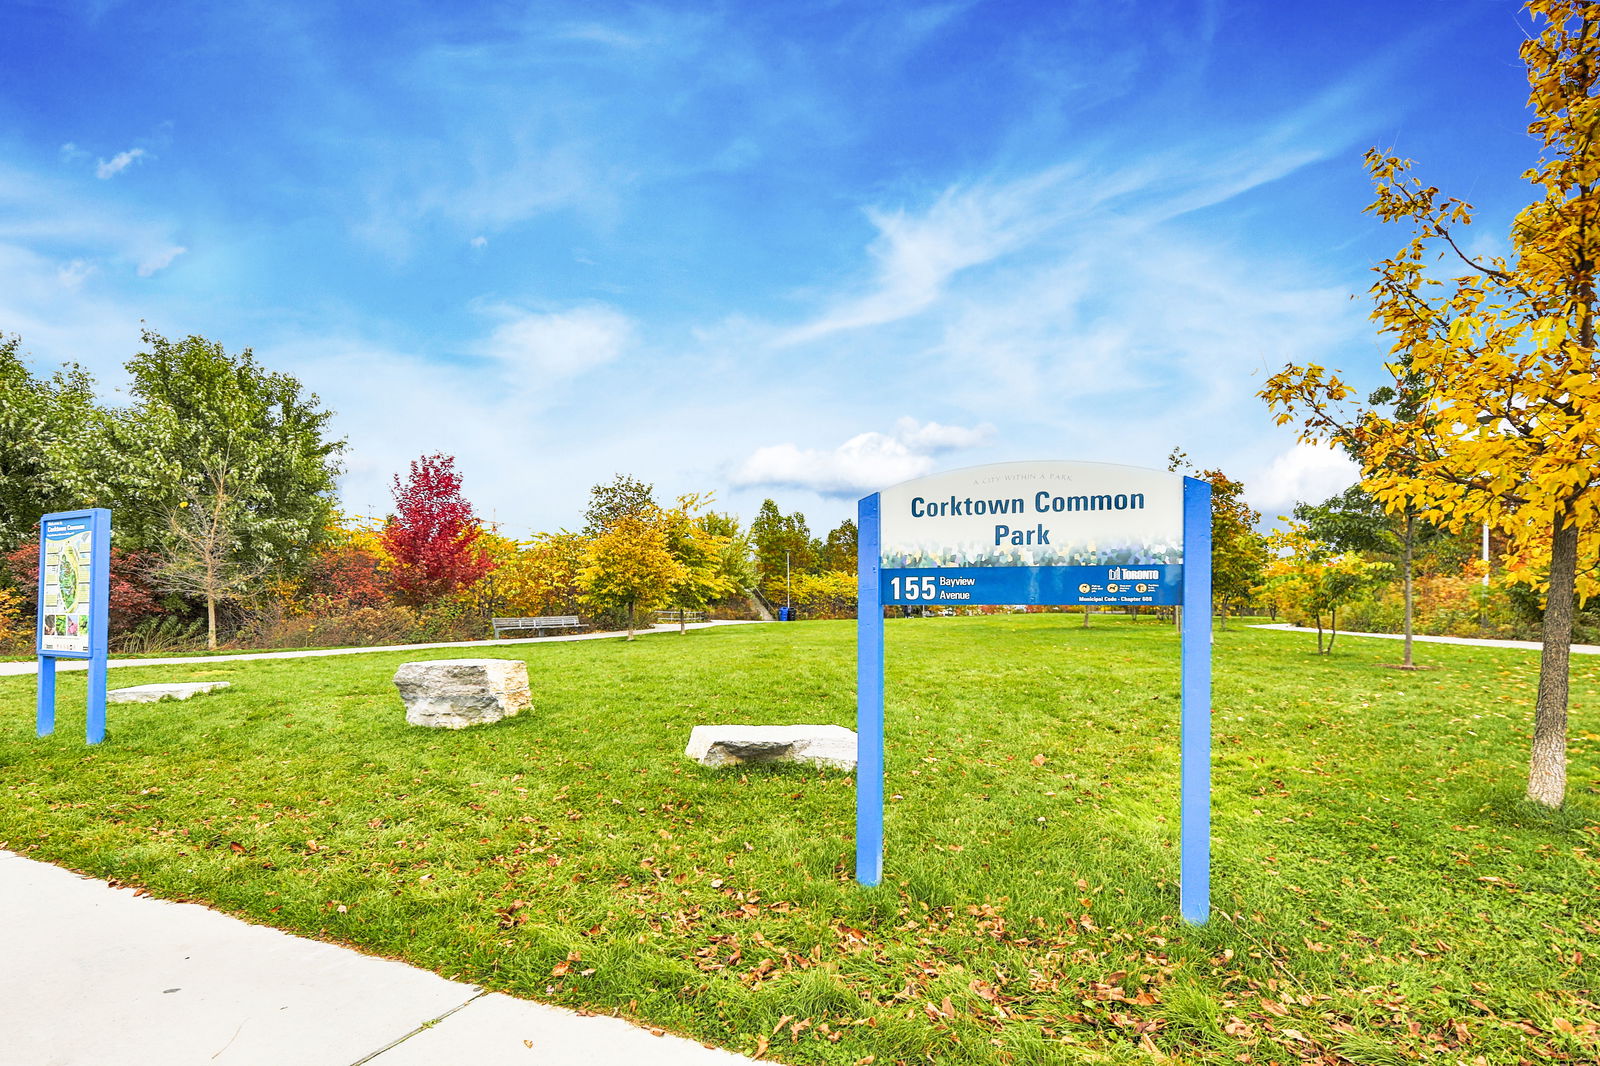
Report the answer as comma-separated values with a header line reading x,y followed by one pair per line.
x,y
345,578
432,537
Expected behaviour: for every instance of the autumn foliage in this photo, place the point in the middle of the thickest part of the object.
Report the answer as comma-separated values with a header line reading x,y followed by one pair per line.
x,y
432,539
131,597
1494,411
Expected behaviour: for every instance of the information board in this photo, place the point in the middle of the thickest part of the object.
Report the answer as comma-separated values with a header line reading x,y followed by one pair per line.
x,y
74,609
1055,533
66,576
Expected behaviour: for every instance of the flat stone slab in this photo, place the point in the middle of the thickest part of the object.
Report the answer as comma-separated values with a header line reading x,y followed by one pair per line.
x,y
156,693
456,693
740,745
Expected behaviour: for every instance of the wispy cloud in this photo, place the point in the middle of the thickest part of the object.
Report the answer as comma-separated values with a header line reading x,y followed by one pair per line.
x,y
553,346
1112,192
118,163
916,254
159,260
863,463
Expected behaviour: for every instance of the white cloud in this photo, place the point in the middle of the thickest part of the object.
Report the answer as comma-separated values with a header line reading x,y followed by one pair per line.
x,y
863,463
159,260
71,275
561,344
1308,473
916,254
933,437
118,163
479,241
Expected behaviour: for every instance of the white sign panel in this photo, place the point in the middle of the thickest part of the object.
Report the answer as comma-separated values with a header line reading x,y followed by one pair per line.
x,y
1034,532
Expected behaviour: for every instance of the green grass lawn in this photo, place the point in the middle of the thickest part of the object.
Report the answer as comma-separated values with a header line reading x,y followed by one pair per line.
x,y
1382,894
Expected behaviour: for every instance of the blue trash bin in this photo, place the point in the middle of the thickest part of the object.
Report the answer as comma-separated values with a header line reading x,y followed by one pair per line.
x,y
786,614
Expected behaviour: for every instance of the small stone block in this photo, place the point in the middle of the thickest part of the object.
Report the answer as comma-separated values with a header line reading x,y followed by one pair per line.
x,y
456,693
738,745
156,693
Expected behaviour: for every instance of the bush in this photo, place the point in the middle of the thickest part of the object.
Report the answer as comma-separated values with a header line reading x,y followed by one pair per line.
x,y
827,595
362,627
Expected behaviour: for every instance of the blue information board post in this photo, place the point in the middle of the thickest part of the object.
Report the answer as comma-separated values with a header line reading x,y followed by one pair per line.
x,y
1041,533
74,609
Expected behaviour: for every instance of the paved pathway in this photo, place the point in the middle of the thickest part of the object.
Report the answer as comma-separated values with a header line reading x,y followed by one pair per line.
x,y
1476,642
92,975
32,665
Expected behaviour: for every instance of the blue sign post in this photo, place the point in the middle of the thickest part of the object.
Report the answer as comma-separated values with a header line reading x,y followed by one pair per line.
x,y
74,609
1041,533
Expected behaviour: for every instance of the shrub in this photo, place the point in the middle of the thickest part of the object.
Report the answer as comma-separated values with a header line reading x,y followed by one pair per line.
x,y
831,594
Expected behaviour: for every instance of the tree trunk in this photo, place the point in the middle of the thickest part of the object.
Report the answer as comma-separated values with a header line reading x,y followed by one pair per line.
x,y
1086,616
1319,633
1410,537
1223,603
1547,767
630,619
211,622
1333,628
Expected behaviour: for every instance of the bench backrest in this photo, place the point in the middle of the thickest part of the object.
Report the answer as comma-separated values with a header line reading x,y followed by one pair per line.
x,y
559,619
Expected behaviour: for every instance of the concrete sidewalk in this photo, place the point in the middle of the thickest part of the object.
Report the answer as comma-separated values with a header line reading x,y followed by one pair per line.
x,y
32,665
92,975
1473,642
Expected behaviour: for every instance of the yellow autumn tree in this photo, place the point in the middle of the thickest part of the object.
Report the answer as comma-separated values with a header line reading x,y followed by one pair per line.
x,y
544,576
699,552
629,565
1309,581
1494,411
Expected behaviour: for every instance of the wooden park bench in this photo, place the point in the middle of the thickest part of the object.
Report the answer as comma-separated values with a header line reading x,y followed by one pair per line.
x,y
559,621
674,616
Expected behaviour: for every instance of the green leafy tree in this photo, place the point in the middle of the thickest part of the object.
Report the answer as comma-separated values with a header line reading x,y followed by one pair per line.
x,y
783,547
1355,520
607,503
53,452
737,566
198,409
839,550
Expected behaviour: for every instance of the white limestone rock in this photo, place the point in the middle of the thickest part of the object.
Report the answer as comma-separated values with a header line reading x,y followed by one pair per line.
x,y
456,693
738,745
156,693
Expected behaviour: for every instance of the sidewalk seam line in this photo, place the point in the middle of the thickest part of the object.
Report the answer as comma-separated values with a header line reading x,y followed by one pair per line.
x,y
429,1024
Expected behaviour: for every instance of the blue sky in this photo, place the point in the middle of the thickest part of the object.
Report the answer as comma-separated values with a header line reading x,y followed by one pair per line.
x,y
797,250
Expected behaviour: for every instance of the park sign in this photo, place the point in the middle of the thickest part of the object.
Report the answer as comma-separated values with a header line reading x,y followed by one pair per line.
x,y
1056,533
1038,532
74,609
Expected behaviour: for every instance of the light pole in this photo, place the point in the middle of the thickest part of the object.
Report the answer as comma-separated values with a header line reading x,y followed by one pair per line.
x,y
788,612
